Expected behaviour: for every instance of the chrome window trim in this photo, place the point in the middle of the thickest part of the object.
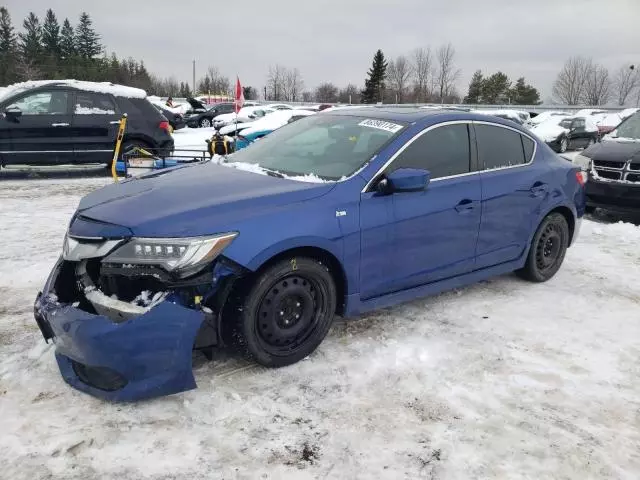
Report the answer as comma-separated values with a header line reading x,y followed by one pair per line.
x,y
533,155
456,122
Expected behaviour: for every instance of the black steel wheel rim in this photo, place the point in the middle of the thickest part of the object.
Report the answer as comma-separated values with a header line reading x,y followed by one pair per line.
x,y
549,247
289,313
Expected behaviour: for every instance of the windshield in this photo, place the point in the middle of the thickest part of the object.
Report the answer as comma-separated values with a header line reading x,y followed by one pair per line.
x,y
630,128
327,146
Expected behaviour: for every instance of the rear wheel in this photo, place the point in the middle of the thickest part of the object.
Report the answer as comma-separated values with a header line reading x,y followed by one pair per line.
x,y
205,123
287,312
548,249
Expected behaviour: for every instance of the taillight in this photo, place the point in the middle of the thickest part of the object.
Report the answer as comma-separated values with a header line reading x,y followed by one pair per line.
x,y
581,176
164,125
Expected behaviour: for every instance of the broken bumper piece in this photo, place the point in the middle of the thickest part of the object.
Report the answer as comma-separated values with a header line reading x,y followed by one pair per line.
x,y
141,357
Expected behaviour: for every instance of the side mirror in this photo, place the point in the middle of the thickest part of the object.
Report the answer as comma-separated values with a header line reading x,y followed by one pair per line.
x,y
13,113
405,180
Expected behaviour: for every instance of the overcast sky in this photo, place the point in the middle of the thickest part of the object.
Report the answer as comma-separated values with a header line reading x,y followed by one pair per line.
x,y
334,40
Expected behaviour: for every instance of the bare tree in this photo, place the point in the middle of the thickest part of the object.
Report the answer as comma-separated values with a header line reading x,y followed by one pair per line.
x,y
326,93
598,85
570,83
447,73
293,85
626,80
214,82
349,94
307,97
399,72
276,83
422,73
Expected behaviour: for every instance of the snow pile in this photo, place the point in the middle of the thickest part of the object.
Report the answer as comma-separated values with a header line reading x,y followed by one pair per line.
x,y
549,131
148,299
92,111
255,168
97,87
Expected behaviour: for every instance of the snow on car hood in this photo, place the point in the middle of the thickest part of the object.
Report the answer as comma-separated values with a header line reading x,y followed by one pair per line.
x,y
200,199
548,131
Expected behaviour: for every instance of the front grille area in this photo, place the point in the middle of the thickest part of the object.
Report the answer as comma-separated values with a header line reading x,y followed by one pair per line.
x,y
608,164
616,170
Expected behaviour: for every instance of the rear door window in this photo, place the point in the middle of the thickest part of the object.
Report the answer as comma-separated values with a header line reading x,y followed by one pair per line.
x,y
500,147
89,103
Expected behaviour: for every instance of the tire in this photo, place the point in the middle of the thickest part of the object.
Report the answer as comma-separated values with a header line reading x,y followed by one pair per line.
x,y
589,209
564,145
548,249
287,312
205,123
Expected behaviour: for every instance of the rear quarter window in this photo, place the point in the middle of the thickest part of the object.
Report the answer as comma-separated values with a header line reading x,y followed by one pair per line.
x,y
500,147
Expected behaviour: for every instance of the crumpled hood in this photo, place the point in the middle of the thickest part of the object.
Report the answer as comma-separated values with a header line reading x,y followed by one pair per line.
x,y
201,199
614,150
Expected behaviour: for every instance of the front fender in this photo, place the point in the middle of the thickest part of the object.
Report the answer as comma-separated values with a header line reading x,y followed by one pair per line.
x,y
334,247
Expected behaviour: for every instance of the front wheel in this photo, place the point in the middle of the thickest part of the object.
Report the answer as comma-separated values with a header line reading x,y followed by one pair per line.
x,y
205,123
287,312
548,249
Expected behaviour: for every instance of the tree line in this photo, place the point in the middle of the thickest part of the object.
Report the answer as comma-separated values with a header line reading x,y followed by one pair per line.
x,y
583,81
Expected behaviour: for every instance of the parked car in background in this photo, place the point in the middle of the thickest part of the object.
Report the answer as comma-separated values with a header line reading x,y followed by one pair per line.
x,y
246,114
568,133
263,127
201,115
517,116
277,106
585,112
545,117
613,166
176,120
335,214
54,122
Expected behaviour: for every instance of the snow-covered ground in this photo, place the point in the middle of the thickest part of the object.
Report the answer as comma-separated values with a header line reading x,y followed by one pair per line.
x,y
192,138
504,379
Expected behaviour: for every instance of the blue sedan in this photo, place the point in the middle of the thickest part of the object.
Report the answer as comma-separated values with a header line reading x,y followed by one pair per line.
x,y
339,213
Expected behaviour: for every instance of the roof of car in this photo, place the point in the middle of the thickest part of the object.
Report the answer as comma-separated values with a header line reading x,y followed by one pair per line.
x,y
399,114
98,87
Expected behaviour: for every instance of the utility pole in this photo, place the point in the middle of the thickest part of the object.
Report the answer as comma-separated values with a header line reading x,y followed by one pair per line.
x,y
194,77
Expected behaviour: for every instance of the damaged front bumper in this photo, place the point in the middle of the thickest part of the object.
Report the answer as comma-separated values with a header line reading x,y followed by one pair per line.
x,y
133,358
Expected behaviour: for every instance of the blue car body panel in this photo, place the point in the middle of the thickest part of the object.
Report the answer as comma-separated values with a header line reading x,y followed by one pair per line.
x,y
389,248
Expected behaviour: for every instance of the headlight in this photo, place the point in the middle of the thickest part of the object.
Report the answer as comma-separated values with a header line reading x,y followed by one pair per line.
x,y
582,161
184,256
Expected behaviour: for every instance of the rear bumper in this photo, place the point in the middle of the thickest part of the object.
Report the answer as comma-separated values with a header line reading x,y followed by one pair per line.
x,y
144,357
611,195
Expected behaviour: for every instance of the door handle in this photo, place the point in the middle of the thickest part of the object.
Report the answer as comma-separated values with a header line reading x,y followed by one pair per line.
x,y
539,189
59,124
465,205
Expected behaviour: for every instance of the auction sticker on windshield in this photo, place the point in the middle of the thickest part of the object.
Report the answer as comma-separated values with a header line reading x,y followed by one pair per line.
x,y
381,125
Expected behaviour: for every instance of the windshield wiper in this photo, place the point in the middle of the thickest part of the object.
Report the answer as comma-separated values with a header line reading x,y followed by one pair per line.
x,y
272,173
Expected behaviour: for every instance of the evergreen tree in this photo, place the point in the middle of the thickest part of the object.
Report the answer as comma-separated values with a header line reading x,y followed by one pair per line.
x,y
67,40
475,88
51,34
374,85
87,40
496,88
51,44
524,94
8,49
31,38
185,90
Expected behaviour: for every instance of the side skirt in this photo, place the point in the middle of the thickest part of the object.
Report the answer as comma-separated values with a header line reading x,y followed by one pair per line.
x,y
356,307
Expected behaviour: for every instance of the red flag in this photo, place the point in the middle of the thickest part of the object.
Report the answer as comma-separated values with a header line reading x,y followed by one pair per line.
x,y
239,100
